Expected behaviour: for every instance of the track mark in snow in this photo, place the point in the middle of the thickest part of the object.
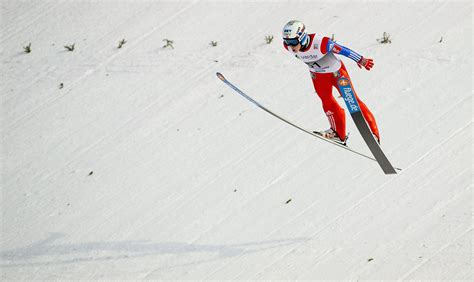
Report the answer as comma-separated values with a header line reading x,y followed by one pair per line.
x,y
439,145
361,200
304,211
272,182
411,271
374,192
432,122
113,134
65,62
413,227
30,20
100,65
269,235
251,150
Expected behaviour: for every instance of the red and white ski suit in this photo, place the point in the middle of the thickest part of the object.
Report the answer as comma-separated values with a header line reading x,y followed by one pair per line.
x,y
325,69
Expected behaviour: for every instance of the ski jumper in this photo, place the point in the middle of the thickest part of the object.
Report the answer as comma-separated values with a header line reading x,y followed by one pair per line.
x,y
326,69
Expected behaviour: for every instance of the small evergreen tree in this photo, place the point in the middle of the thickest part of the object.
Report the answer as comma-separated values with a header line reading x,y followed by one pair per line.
x,y
385,39
169,43
70,48
121,43
27,48
269,39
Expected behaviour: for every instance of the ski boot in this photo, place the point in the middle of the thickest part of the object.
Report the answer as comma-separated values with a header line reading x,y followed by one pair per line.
x,y
333,136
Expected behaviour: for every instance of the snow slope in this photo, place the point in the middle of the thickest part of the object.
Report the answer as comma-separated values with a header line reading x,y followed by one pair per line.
x,y
145,166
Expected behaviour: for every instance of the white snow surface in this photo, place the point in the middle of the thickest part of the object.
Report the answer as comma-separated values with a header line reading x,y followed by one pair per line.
x,y
144,165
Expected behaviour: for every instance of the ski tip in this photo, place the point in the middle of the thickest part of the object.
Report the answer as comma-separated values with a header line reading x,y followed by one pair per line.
x,y
220,76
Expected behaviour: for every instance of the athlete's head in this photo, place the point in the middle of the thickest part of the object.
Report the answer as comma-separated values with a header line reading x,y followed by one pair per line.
x,y
295,35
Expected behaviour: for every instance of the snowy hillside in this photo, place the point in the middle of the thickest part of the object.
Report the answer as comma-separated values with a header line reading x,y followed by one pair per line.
x,y
138,163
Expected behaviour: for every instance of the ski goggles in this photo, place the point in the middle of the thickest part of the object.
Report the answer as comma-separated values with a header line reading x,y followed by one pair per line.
x,y
291,41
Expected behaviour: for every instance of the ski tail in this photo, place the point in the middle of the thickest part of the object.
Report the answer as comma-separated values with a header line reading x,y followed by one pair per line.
x,y
347,92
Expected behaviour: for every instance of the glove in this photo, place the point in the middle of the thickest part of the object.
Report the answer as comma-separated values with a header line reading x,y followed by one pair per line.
x,y
366,63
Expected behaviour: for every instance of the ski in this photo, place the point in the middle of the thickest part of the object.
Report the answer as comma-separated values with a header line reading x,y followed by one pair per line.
x,y
364,130
338,144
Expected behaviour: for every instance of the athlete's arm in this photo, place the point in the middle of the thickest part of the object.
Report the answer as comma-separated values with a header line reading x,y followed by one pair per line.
x,y
327,45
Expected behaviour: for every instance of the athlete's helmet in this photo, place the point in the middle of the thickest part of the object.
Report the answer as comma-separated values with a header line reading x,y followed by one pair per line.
x,y
294,32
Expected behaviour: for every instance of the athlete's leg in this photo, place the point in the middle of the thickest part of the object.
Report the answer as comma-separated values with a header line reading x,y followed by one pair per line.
x,y
368,116
323,83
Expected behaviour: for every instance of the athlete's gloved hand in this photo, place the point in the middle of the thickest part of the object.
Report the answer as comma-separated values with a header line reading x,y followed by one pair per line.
x,y
366,63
